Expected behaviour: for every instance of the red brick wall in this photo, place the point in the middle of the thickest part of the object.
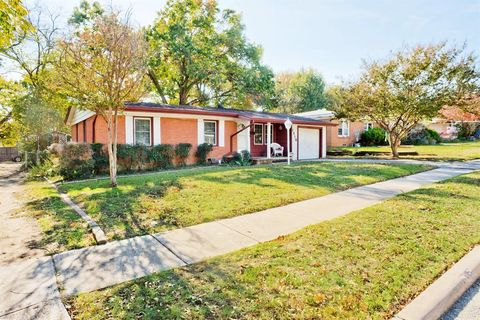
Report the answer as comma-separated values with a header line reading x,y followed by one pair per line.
x,y
333,140
100,130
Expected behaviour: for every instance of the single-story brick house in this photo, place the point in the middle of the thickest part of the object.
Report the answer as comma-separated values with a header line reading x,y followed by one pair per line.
x,y
227,130
344,132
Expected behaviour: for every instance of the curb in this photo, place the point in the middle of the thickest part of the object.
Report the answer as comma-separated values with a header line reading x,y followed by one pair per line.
x,y
98,233
441,295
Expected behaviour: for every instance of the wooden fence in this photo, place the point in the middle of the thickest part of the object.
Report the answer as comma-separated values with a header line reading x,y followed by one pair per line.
x,y
8,153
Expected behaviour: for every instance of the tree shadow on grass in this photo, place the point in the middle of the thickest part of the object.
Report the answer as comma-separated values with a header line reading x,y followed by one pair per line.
x,y
61,228
123,210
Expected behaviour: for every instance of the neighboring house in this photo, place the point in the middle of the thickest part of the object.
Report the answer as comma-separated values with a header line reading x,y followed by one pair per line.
x,y
344,133
448,119
227,130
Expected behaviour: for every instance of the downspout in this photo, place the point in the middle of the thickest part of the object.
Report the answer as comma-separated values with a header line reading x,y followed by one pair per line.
x,y
93,128
233,135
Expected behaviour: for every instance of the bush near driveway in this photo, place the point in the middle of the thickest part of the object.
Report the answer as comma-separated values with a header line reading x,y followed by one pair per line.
x,y
158,202
365,265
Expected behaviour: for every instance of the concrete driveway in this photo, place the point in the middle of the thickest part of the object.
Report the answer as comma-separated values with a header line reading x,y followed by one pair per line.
x,y
18,232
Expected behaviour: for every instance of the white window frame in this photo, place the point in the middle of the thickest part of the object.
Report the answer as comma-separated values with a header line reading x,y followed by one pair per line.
x,y
367,126
135,128
254,126
215,136
344,127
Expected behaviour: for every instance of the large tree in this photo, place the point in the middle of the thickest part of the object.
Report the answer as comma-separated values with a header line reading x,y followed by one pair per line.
x,y
200,55
299,91
103,66
411,86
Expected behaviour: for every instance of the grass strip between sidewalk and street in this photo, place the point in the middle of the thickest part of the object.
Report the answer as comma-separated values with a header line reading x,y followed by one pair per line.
x,y
367,264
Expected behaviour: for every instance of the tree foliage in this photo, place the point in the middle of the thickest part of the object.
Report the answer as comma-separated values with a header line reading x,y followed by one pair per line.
x,y
411,86
299,92
102,67
200,55
13,20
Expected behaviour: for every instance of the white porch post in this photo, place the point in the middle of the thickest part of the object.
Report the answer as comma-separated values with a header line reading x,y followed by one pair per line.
x,y
269,131
288,126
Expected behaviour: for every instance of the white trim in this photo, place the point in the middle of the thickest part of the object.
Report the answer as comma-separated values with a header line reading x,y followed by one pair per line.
x,y
177,115
269,142
324,142
200,136
81,115
221,133
135,130
254,125
157,139
128,129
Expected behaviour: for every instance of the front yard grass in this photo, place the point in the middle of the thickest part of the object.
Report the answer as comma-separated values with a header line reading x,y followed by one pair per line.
x,y
61,227
158,202
365,265
461,151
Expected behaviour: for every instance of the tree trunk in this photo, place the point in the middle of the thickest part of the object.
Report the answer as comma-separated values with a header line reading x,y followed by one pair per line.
x,y
112,156
157,85
37,152
394,141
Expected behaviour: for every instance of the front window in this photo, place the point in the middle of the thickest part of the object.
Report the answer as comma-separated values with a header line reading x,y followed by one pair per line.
x,y
258,134
368,126
343,128
210,132
143,131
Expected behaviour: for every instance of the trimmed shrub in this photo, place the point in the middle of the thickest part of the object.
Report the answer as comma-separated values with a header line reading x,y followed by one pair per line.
x,y
76,161
467,129
162,156
242,158
423,136
202,153
125,155
140,157
182,150
373,137
100,157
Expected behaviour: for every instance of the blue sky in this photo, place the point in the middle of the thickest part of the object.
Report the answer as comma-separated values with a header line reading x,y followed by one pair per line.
x,y
333,36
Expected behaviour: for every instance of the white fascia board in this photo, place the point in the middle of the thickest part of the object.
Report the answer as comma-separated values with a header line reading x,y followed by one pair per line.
x,y
178,115
81,115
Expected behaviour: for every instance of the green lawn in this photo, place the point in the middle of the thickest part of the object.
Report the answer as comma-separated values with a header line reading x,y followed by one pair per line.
x,y
444,151
158,202
365,265
62,228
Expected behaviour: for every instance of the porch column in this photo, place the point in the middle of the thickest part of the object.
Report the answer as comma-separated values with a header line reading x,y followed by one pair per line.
x,y
269,132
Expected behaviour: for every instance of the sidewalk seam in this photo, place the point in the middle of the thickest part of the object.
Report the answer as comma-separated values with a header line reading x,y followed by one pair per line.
x,y
166,247
241,233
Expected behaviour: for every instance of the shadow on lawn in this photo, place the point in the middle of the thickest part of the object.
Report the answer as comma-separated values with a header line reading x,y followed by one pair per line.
x,y
127,211
62,228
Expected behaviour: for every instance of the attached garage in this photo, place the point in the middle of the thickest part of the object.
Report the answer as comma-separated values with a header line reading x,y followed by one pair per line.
x,y
310,143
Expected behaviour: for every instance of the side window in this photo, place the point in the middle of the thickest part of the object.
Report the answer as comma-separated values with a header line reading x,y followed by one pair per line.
x,y
258,134
343,128
143,132
210,132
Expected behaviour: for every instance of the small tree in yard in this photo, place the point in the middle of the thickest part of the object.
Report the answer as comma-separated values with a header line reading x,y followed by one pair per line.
x,y
410,87
103,66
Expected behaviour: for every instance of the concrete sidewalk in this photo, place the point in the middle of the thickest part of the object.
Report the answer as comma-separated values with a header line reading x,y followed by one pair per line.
x,y
97,267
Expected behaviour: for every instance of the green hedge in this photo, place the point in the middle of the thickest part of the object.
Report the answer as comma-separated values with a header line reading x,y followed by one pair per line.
x,y
79,160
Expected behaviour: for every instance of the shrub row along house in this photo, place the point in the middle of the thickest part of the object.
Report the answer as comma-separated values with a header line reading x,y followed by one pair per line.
x,y
228,130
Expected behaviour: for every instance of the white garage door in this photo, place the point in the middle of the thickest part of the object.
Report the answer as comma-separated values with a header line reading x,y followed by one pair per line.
x,y
308,143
